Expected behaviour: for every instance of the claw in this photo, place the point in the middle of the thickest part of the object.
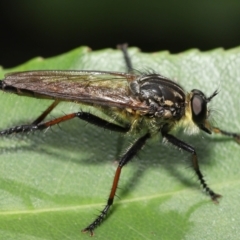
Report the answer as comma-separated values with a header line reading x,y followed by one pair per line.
x,y
85,230
215,197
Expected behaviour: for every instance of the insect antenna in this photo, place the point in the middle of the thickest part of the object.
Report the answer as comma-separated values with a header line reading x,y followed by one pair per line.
x,y
213,95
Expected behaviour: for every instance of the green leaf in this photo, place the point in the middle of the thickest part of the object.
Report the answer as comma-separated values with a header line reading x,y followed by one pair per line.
x,y
53,183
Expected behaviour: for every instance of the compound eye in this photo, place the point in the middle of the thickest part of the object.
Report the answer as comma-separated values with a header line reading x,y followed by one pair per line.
x,y
197,105
199,108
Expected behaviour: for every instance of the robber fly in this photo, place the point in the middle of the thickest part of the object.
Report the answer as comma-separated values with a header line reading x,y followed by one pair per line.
x,y
149,104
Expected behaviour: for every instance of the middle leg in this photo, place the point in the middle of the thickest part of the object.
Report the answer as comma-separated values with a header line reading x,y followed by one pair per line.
x,y
132,151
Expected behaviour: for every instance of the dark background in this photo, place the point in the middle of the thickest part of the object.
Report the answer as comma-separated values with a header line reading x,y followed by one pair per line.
x,y
31,28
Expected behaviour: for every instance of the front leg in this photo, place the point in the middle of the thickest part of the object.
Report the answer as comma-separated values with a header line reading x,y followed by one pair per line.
x,y
235,136
184,146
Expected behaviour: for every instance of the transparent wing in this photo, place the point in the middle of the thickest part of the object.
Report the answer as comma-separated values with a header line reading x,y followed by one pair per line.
x,y
96,87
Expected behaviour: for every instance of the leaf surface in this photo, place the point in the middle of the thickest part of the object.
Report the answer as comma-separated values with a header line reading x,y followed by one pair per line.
x,y
53,183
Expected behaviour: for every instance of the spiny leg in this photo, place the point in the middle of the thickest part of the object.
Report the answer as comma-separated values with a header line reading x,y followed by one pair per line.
x,y
45,113
88,117
132,151
30,127
182,145
123,48
235,136
35,122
